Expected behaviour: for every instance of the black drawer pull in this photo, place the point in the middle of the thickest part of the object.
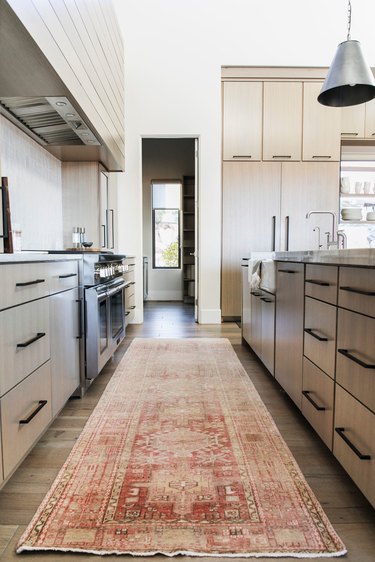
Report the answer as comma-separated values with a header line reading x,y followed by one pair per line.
x,y
41,405
132,307
316,336
340,431
26,283
287,271
358,291
68,275
266,299
127,313
306,394
315,282
352,357
32,340
321,156
241,156
281,156
244,265
131,264
255,293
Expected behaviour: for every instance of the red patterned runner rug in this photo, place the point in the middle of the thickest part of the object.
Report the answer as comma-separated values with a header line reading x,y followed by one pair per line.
x,y
181,456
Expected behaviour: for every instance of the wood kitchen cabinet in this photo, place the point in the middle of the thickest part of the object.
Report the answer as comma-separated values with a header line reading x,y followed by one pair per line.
x,y
242,120
358,121
251,211
262,333
321,127
289,328
282,121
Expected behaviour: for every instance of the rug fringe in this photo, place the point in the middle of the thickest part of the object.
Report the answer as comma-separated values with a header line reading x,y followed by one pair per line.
x,y
190,553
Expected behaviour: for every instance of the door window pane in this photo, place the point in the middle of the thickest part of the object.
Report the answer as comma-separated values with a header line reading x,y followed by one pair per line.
x,y
166,238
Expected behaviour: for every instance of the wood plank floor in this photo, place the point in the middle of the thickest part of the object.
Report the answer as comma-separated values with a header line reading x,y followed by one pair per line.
x,y
349,512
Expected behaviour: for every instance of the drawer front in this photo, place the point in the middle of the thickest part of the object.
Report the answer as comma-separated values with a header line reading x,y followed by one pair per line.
x,y
129,304
63,276
356,424
24,282
355,362
24,341
357,290
321,282
30,404
320,334
318,400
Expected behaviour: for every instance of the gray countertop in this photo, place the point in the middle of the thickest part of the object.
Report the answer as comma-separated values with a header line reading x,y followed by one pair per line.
x,y
361,257
28,257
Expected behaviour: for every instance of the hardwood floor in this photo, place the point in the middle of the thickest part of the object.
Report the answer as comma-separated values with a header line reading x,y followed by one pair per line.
x,y
347,509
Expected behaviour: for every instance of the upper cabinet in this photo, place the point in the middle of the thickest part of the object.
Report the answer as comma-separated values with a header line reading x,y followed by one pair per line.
x,y
282,121
358,121
71,50
242,120
321,127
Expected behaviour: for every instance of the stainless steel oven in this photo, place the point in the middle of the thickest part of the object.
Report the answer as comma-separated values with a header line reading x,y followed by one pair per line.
x,y
105,323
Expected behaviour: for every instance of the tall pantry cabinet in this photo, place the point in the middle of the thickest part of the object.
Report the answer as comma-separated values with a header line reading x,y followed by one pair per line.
x,y
281,152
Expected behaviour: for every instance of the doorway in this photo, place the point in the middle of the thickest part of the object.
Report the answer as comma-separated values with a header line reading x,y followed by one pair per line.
x,y
172,163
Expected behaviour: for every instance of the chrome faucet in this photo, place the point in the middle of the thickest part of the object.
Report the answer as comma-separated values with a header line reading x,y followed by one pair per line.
x,y
331,241
344,241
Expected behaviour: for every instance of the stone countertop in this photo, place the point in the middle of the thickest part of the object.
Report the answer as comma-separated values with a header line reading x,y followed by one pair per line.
x,y
28,257
359,257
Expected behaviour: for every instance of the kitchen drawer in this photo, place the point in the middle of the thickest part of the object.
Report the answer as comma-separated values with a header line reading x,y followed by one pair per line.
x,y
29,403
22,283
355,362
63,276
129,304
356,424
320,334
357,289
24,341
321,282
318,400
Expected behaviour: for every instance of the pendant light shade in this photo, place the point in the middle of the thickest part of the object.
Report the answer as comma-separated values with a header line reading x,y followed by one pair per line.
x,y
349,80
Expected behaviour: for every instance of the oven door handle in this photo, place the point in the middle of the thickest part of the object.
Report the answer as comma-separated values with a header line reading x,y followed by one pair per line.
x,y
116,289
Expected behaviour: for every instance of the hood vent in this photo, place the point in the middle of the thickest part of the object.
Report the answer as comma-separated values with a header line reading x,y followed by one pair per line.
x,y
52,119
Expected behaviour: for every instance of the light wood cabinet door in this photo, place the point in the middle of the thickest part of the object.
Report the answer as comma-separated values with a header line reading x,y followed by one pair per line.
x,y
65,331
268,331
321,282
307,186
355,440
24,282
318,400
355,363
353,121
282,121
256,322
357,289
242,120
251,210
25,414
289,328
321,127
370,120
320,334
246,302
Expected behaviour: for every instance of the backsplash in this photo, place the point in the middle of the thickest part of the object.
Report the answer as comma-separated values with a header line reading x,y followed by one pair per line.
x,y
35,188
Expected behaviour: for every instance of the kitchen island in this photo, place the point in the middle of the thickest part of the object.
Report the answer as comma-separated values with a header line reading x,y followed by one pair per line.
x,y
324,352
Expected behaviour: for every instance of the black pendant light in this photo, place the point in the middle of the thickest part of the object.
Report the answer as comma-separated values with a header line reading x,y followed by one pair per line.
x,y
349,80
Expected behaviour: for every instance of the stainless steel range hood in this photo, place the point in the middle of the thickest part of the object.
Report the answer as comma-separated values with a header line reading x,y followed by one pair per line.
x,y
53,121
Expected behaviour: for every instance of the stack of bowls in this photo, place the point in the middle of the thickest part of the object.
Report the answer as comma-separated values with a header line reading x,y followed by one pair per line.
x,y
351,214
370,216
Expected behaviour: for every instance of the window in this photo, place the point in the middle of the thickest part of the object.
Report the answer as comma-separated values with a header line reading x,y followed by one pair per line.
x,y
166,207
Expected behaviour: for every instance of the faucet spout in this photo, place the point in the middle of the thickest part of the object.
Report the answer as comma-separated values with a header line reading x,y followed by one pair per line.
x,y
331,213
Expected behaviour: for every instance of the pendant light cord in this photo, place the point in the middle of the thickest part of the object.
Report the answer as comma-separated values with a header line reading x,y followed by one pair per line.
x,y
349,19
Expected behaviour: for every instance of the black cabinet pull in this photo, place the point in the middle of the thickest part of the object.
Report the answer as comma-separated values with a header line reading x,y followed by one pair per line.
x,y
244,265
273,233
265,299
306,394
41,405
321,156
358,291
281,156
241,156
80,319
340,431
315,282
316,336
26,283
352,357
255,293
132,307
131,264
32,340
127,313
287,233
68,275
287,271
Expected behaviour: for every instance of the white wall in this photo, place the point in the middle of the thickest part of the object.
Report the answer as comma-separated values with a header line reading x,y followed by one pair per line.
x,y
35,192
174,50
163,159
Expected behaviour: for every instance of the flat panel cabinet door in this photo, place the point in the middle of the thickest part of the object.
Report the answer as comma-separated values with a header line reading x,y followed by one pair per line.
x,y
282,121
370,120
242,121
307,186
251,207
353,121
321,127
